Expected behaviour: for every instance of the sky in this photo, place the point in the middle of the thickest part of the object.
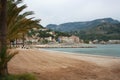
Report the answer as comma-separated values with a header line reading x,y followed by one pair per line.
x,y
62,11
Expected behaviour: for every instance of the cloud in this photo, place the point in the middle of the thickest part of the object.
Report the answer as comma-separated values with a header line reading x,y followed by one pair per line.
x,y
60,11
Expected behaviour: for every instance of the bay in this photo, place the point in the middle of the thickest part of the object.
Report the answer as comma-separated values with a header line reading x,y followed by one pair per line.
x,y
105,50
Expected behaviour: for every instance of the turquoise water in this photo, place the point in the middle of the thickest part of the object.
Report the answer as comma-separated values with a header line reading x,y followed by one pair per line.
x,y
106,50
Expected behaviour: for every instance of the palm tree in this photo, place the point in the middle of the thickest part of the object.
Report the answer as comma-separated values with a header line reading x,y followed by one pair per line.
x,y
3,33
11,27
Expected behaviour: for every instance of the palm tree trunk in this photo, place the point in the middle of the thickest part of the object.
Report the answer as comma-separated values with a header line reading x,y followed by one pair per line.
x,y
3,33
3,23
4,70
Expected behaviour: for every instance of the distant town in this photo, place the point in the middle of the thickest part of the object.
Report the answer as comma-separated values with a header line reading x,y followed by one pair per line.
x,y
47,38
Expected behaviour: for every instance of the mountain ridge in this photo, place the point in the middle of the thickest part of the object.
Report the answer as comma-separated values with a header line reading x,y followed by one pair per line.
x,y
101,29
74,26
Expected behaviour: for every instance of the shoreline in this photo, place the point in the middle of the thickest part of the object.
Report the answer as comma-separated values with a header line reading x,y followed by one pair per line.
x,y
87,57
100,60
64,46
82,54
99,50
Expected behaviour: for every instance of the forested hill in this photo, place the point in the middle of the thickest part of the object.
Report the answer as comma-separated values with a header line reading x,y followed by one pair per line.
x,y
102,29
74,26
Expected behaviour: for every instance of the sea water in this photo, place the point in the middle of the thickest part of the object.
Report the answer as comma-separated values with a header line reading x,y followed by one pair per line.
x,y
105,50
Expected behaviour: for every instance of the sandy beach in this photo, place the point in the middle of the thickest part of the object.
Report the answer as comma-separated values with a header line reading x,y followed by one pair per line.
x,y
55,65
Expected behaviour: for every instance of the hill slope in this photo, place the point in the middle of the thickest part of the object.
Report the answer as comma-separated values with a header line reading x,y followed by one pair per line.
x,y
104,31
101,29
74,26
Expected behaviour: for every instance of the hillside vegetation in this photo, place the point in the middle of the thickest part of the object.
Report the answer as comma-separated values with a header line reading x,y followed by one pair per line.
x,y
101,29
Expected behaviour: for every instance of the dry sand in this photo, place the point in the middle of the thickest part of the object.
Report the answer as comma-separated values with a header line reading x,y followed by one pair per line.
x,y
54,65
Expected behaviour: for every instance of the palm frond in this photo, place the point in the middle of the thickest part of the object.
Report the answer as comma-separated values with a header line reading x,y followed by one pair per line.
x,y
6,56
17,22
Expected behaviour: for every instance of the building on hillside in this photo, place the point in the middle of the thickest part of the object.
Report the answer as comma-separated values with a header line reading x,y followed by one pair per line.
x,y
95,41
74,39
102,42
32,40
113,42
63,39
52,33
71,39
90,42
49,38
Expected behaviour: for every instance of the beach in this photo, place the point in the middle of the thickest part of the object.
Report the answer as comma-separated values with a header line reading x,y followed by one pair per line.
x,y
55,65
